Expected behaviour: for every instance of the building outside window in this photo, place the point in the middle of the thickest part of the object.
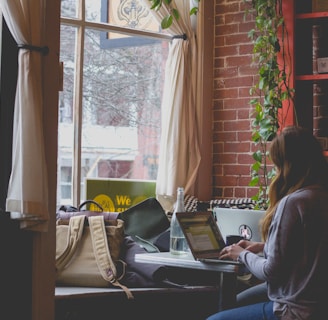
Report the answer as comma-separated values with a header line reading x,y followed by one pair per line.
x,y
113,54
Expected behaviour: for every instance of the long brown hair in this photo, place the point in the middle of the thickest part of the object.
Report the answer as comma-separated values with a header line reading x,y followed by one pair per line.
x,y
299,160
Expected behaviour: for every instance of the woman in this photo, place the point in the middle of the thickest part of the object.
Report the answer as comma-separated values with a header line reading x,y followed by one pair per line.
x,y
294,263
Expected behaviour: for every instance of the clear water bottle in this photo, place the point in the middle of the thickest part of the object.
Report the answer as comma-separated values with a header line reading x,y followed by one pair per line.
x,y
178,242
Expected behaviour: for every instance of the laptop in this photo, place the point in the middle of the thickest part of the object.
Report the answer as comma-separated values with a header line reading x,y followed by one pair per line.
x,y
242,222
203,236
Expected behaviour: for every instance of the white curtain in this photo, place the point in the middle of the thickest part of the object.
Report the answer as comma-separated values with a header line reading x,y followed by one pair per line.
x,y
179,153
27,197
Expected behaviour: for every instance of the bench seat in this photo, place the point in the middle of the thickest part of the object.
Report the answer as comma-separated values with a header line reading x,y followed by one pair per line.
x,y
82,303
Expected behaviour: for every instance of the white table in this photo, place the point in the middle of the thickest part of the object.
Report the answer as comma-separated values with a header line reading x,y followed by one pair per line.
x,y
227,272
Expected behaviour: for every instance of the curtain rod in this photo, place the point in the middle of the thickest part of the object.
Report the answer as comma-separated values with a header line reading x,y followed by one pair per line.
x,y
180,36
44,50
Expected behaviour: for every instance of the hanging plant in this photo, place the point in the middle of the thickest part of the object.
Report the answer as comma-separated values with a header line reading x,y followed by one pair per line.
x,y
270,53
173,12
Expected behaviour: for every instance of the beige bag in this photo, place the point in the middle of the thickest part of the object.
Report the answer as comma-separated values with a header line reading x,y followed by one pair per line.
x,y
83,256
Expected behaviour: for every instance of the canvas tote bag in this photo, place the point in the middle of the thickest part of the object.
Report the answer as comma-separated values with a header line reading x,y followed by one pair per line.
x,y
83,256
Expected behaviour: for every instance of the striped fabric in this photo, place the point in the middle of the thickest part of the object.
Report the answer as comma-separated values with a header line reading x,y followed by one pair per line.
x,y
193,204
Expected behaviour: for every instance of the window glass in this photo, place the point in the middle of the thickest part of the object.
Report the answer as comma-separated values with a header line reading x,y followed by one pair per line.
x,y
65,114
111,101
122,107
132,14
93,10
69,8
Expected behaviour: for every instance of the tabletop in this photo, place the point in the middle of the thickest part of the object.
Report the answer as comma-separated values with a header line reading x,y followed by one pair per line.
x,y
185,261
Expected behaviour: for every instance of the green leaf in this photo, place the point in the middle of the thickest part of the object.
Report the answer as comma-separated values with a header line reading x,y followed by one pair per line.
x,y
156,4
256,166
193,11
175,14
257,156
167,22
254,182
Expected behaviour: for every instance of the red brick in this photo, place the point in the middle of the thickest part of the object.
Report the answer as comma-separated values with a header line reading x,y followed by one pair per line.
x,y
236,39
244,92
246,49
245,135
236,147
226,136
219,62
240,192
235,73
225,93
228,193
228,158
217,148
239,125
246,26
219,40
237,17
240,60
229,181
227,7
227,51
226,115
226,72
235,170
239,82
236,103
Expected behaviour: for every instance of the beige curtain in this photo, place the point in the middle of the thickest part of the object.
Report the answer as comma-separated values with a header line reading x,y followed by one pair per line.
x,y
179,153
27,197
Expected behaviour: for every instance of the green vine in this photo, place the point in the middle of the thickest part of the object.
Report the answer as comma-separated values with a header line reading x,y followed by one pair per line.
x,y
271,89
173,12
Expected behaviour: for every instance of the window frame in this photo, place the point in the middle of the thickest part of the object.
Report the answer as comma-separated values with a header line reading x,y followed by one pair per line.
x,y
82,24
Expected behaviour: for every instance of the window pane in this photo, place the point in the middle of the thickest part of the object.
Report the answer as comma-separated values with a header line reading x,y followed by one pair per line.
x,y
93,10
132,14
122,90
66,181
69,8
67,55
65,121
121,79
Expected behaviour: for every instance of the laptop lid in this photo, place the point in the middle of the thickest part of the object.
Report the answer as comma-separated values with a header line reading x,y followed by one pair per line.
x,y
202,234
243,222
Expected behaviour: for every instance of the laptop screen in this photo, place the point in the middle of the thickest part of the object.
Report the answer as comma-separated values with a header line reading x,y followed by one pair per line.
x,y
201,232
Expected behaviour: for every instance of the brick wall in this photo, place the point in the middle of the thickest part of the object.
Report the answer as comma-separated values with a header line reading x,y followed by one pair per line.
x,y
234,75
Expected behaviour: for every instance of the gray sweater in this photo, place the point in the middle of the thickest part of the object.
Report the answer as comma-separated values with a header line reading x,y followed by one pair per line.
x,y
295,260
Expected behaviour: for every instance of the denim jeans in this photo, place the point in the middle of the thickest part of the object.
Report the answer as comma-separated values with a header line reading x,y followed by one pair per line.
x,y
255,294
258,311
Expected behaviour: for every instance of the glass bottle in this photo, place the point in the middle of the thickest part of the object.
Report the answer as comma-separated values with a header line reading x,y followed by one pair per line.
x,y
178,242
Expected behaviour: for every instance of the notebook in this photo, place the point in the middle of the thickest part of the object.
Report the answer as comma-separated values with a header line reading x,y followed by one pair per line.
x,y
243,222
203,236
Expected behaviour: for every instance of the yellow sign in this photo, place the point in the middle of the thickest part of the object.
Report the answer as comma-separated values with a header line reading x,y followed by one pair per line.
x,y
117,195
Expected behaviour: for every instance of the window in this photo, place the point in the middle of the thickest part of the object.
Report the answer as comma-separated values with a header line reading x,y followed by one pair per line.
x,y
114,56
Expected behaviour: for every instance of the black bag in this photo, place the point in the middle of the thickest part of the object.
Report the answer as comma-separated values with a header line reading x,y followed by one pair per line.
x,y
148,225
139,275
146,275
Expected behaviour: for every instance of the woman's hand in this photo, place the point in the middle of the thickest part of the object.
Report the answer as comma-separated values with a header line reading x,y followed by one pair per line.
x,y
231,252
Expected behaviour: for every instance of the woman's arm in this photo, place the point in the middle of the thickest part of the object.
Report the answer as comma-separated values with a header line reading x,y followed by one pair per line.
x,y
252,246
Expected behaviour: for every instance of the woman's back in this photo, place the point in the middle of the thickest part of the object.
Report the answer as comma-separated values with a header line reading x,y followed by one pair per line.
x,y
297,250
